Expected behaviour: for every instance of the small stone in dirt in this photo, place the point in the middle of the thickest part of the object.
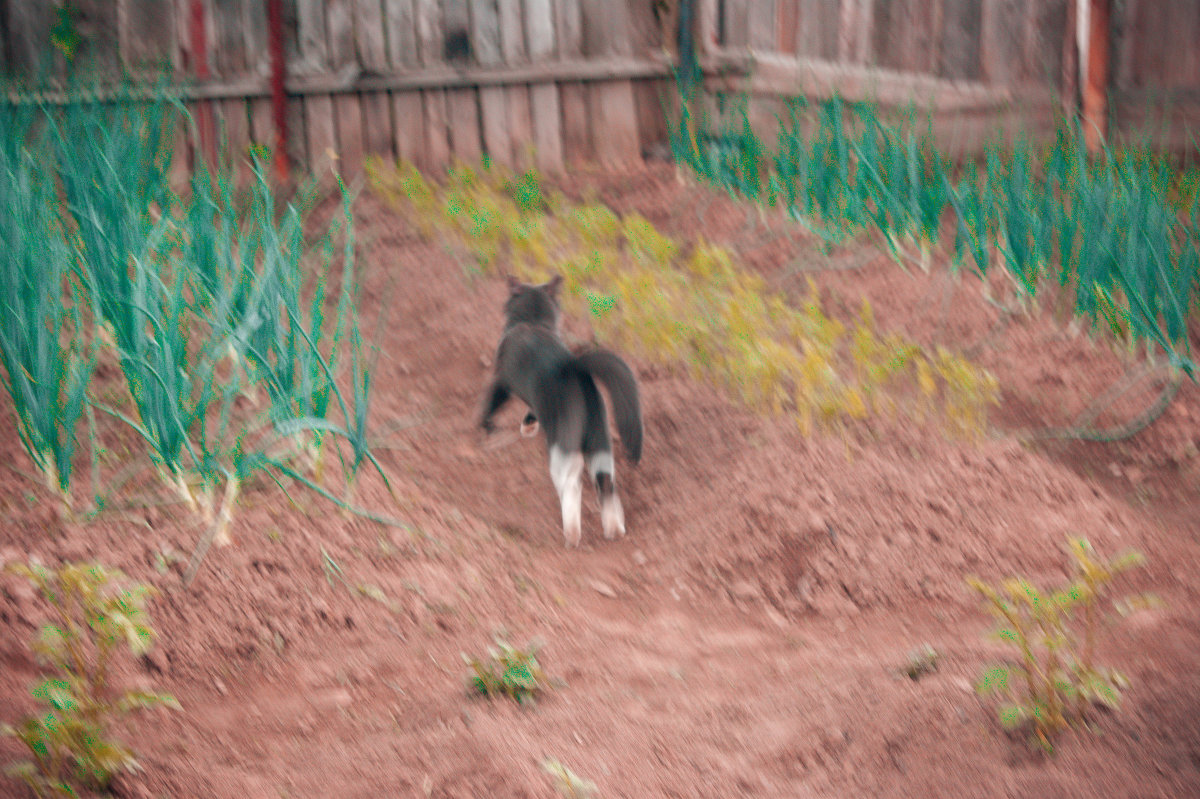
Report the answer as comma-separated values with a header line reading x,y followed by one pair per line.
x,y
639,557
776,618
743,590
603,589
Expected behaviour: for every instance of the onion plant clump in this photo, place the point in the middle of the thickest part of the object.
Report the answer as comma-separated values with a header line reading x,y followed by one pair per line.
x,y
47,361
235,335
1110,229
691,305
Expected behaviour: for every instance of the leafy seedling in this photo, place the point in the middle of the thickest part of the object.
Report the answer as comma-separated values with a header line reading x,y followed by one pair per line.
x,y
920,662
94,614
508,671
1055,681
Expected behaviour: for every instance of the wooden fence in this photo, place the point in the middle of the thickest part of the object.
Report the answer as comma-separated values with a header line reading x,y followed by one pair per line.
x,y
526,81
550,82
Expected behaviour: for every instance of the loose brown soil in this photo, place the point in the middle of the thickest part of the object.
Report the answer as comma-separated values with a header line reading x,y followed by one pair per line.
x,y
745,639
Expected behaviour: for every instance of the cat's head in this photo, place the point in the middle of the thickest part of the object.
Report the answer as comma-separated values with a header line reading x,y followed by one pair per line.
x,y
533,304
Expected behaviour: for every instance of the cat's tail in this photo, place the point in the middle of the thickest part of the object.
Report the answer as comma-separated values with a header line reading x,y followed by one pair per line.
x,y
618,378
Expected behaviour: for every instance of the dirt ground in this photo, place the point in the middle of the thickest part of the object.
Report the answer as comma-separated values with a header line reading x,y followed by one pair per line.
x,y
744,640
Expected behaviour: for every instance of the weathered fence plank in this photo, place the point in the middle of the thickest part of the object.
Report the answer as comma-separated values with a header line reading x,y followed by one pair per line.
x,y
409,118
543,98
401,28
493,100
611,106
573,103
371,47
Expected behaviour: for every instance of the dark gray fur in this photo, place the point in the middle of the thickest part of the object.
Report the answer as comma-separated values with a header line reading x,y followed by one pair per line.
x,y
559,387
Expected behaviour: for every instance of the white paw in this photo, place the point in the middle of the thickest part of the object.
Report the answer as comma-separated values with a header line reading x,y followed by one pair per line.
x,y
572,535
612,517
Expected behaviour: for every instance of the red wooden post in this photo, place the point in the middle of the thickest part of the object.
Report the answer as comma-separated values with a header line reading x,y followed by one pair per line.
x,y
278,97
204,115
1095,86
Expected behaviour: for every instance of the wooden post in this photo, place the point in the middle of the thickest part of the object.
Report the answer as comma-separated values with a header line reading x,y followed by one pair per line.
x,y
1095,74
198,30
278,98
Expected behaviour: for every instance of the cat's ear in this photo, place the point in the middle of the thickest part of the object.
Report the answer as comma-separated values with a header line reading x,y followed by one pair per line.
x,y
552,288
514,285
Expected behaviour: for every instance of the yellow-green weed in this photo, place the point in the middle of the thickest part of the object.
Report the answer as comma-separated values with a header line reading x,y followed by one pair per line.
x,y
690,305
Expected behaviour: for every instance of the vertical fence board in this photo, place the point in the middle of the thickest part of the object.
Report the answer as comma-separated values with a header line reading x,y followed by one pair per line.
x,y
572,95
569,21
547,126
649,96
543,97
761,32
348,127
262,124
369,36
371,47
236,126
97,23
788,26
611,107
25,36
409,120
819,26
401,29
322,139
614,123
999,53
519,114
227,55
348,120
258,54
408,115
539,29
463,121
378,138
497,136
142,45
437,134
462,105
855,31
735,24
297,141
429,47
493,100
577,128
961,29
903,35
708,27
312,46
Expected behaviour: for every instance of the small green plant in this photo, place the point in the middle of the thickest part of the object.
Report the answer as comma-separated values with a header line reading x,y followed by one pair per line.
x,y
1056,681
508,671
569,784
95,613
